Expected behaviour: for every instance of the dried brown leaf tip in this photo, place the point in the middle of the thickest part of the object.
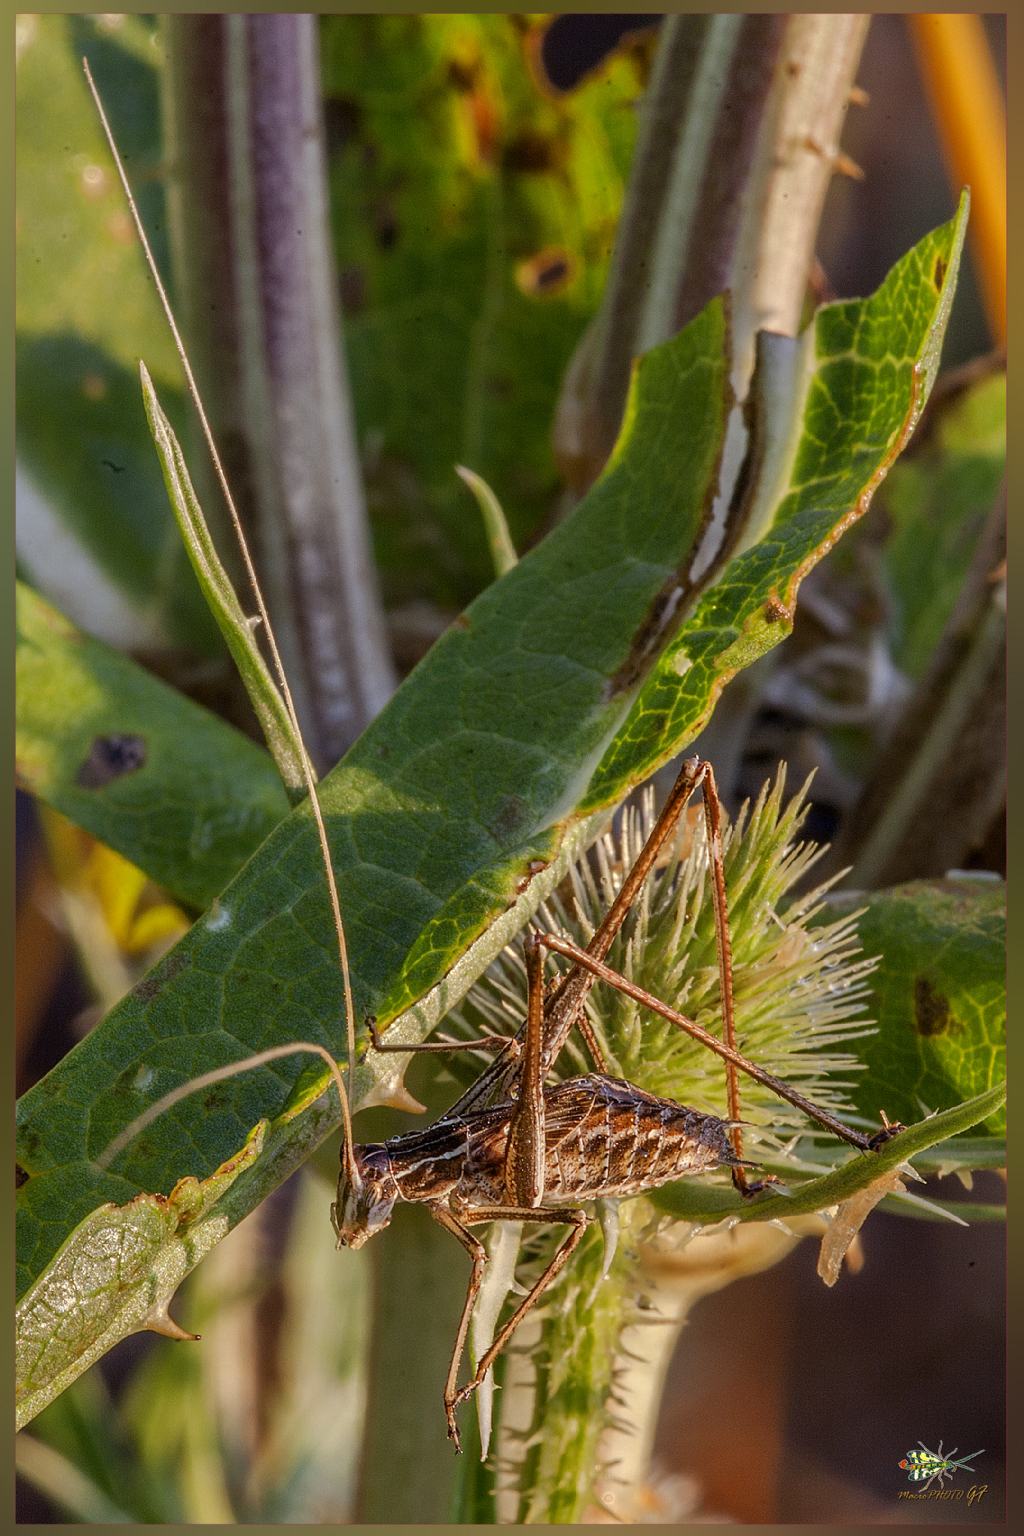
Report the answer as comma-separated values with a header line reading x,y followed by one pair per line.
x,y
848,1220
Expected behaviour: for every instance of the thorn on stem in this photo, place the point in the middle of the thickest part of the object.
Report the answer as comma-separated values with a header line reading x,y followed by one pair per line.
x,y
844,165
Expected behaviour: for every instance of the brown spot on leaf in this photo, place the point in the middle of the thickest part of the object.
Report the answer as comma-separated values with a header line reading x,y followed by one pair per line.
x,y
531,152
463,73
20,1176
486,123
352,289
932,1013
110,758
775,611
939,274
385,227
547,273
152,985
509,819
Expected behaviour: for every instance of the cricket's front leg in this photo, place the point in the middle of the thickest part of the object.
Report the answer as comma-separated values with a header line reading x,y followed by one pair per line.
x,y
444,1218
407,1048
579,1221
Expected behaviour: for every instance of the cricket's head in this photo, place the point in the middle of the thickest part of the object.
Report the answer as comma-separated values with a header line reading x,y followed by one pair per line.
x,y
366,1196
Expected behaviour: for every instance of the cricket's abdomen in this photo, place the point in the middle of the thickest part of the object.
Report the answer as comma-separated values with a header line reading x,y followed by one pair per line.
x,y
603,1137
624,1140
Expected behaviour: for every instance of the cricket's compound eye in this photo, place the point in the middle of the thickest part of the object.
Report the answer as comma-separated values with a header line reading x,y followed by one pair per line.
x,y
364,1205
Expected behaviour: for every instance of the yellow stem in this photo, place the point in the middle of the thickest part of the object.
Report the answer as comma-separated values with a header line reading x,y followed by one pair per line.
x,y
967,104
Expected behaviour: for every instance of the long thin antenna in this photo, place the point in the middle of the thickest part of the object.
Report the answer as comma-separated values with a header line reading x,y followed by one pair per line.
x,y
250,570
207,1079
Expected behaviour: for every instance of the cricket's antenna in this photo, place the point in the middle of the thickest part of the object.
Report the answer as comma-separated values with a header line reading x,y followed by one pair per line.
x,y
250,570
205,1080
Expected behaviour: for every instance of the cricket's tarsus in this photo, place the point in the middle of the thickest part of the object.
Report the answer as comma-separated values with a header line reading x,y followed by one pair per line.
x,y
478,1042
515,1146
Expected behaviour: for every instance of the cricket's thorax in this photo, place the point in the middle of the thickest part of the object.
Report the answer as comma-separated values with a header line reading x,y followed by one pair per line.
x,y
603,1137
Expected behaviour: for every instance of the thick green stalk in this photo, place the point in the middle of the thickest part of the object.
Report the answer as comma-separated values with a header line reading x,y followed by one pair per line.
x,y
408,1469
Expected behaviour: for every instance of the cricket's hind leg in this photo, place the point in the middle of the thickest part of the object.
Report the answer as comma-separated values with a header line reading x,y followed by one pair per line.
x,y
704,780
723,944
564,1003
815,1112
567,998
713,823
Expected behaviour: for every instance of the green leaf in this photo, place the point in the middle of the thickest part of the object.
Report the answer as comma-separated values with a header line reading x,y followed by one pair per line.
x,y
964,1155
115,1273
939,996
457,185
278,732
703,1205
141,767
938,499
451,172
832,412
455,813
85,310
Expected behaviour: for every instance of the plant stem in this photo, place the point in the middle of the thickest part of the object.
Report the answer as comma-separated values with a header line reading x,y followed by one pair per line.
x,y
945,765
737,147
685,41
419,1278
795,159
722,177
250,238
